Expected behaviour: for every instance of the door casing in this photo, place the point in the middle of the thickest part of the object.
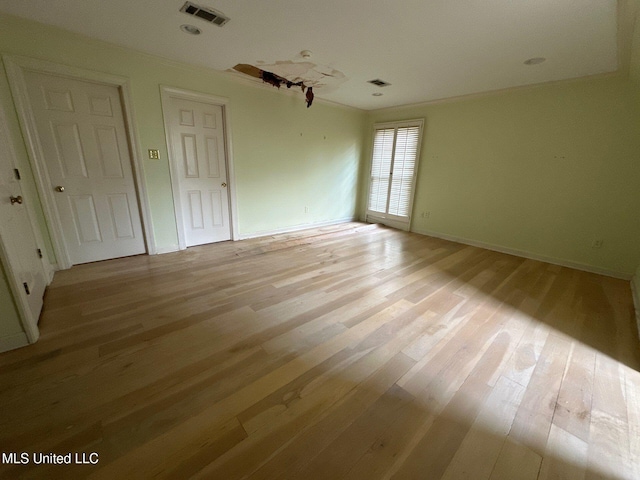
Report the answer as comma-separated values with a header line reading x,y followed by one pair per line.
x,y
166,93
16,66
27,318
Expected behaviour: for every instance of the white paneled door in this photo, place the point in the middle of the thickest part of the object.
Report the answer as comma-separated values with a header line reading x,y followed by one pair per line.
x,y
81,129
17,236
197,142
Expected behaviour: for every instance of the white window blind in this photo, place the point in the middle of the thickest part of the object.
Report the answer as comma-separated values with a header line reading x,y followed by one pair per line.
x,y
393,168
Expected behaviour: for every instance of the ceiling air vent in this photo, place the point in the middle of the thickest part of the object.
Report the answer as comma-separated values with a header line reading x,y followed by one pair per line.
x,y
206,14
379,83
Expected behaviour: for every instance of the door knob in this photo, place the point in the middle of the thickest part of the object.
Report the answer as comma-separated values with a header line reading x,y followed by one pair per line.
x,y
224,185
60,188
17,200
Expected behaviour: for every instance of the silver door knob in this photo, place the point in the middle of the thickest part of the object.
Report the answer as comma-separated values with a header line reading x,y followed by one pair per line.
x,y
224,185
15,200
60,188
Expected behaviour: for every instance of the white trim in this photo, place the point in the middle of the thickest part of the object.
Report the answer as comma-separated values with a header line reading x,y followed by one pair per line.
x,y
489,93
635,291
296,228
29,323
231,174
49,269
138,166
388,220
54,269
15,67
11,342
166,93
524,254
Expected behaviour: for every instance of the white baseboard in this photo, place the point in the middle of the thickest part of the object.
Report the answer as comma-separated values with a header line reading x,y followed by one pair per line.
x,y
635,291
295,228
11,342
389,222
524,254
51,271
169,249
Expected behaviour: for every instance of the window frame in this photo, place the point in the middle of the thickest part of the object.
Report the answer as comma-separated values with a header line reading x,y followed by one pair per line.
x,y
395,221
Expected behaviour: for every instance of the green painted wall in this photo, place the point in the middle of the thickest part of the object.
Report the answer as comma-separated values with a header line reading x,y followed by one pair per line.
x,y
542,170
286,157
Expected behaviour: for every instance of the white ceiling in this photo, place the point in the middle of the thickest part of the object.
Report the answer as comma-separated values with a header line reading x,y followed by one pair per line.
x,y
426,49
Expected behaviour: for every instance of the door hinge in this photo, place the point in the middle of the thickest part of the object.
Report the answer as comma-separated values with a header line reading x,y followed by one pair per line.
x,y
26,288
17,173
39,253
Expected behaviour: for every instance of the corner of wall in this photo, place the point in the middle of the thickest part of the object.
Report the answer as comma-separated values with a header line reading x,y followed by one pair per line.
x,y
11,342
634,75
635,291
634,48
365,161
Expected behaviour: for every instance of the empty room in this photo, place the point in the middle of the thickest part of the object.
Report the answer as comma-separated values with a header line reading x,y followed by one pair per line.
x,y
320,240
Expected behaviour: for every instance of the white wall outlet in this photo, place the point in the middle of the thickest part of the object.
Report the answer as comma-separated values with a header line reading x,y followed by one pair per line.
x,y
306,209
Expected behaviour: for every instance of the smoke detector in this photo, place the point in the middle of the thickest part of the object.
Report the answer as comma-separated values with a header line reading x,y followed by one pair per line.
x,y
190,29
206,14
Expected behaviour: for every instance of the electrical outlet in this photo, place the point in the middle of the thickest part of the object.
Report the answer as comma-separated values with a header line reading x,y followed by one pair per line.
x,y
306,209
427,214
154,154
597,243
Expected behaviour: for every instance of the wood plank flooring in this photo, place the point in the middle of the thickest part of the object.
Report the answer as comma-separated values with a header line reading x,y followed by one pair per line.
x,y
347,352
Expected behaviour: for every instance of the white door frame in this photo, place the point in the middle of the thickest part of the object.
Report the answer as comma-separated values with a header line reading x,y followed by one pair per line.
x,y
166,93
16,67
29,323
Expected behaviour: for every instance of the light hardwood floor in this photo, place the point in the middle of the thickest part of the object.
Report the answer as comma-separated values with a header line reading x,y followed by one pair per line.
x,y
347,352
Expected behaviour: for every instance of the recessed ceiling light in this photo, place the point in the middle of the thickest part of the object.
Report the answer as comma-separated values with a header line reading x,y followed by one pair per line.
x,y
190,29
377,94
534,61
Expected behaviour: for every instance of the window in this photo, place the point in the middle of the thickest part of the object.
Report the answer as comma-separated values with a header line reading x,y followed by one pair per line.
x,y
396,147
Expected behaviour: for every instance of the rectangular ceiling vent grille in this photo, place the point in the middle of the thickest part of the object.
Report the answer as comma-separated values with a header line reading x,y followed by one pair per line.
x,y
206,14
379,83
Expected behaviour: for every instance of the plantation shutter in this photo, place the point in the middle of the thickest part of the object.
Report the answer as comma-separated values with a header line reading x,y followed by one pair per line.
x,y
381,169
393,169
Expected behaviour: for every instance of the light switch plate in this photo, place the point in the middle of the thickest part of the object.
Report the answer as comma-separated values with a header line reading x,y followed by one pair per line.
x,y
154,154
